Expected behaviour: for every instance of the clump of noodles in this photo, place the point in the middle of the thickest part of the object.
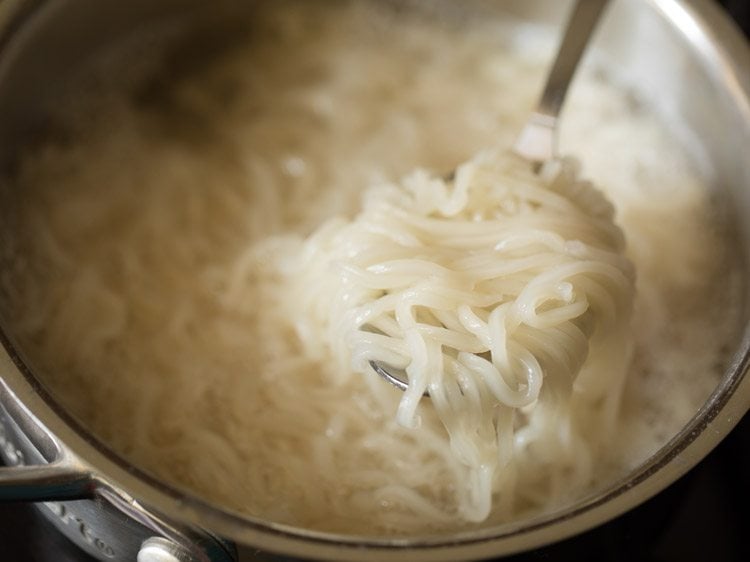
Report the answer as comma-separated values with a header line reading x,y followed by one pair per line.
x,y
490,291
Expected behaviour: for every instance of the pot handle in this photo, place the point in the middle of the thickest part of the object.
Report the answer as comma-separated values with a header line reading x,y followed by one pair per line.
x,y
38,467
42,483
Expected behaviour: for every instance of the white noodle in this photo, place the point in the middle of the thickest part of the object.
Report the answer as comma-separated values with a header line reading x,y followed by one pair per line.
x,y
434,267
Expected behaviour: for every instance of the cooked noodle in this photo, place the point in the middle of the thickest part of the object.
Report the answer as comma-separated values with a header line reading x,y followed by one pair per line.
x,y
485,290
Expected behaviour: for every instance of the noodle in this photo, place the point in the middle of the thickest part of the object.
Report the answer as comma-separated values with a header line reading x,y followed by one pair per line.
x,y
434,274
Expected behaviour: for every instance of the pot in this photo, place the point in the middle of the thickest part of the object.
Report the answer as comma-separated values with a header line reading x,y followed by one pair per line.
x,y
687,52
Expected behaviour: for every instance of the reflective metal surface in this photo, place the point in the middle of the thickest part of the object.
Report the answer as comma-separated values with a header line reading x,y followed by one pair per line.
x,y
104,523
538,139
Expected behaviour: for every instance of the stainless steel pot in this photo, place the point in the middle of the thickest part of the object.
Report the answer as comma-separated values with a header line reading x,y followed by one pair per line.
x,y
687,52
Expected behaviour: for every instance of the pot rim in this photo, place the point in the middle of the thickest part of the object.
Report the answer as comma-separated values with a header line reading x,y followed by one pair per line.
x,y
726,56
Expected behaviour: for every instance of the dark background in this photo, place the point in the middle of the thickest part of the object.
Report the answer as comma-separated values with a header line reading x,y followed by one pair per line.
x,y
740,11
703,516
